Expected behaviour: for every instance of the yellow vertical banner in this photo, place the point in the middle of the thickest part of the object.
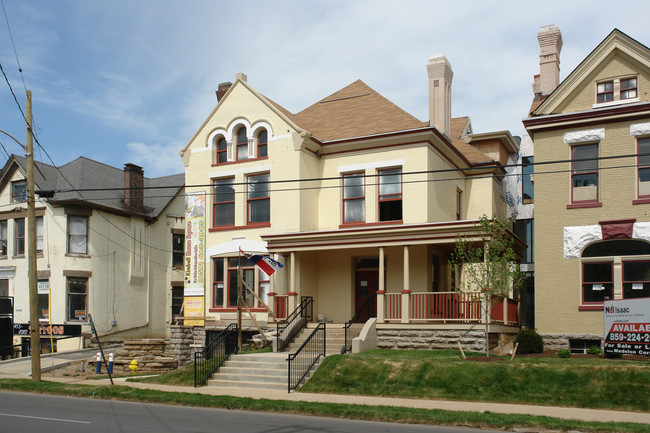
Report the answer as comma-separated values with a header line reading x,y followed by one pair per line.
x,y
194,290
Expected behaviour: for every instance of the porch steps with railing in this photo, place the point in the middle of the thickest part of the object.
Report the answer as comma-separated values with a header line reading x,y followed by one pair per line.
x,y
252,370
334,338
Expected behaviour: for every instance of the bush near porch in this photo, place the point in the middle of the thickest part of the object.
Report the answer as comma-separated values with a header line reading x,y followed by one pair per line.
x,y
587,382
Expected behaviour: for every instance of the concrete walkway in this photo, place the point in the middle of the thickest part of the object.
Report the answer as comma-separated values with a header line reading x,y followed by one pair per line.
x,y
21,368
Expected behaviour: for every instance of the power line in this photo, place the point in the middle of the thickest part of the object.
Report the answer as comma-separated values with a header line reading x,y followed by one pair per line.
x,y
377,175
11,36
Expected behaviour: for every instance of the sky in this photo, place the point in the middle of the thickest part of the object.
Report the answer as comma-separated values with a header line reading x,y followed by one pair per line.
x,y
123,81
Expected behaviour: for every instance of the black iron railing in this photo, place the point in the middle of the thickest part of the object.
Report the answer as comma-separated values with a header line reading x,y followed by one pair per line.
x,y
301,362
215,354
296,321
367,310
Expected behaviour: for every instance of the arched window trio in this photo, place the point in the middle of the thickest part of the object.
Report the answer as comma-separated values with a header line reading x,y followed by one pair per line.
x,y
241,147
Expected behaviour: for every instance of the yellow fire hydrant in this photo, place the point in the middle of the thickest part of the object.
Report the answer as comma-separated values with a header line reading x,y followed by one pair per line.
x,y
133,366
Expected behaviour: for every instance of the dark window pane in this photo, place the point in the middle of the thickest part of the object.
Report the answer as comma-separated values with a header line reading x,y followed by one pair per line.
x,y
224,214
644,147
527,185
390,210
597,292
636,271
597,273
582,152
623,247
259,211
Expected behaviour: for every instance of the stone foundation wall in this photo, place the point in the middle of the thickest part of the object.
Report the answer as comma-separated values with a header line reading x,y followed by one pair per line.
x,y
473,340
184,341
561,341
150,355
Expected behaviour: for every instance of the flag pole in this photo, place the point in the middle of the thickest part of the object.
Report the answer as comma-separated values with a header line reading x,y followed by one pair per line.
x,y
239,301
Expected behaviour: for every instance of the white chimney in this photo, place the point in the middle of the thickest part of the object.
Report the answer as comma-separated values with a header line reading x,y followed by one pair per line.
x,y
440,78
550,45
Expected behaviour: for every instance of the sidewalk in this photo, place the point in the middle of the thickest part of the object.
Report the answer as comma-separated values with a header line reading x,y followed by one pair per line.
x,y
13,369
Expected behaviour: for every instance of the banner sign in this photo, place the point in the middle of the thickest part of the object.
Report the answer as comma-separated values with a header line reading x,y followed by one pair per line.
x,y
193,307
195,244
67,330
627,327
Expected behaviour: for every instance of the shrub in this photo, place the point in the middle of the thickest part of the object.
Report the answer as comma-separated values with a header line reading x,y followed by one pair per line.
x,y
564,353
529,341
594,350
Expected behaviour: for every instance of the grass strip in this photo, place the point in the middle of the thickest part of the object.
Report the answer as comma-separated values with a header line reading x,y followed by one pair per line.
x,y
587,383
338,410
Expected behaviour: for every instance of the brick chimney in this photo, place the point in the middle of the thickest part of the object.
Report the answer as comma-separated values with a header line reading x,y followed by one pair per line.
x,y
222,89
133,187
440,78
550,45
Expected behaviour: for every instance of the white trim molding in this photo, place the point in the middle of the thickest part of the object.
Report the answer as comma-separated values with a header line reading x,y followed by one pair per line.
x,y
640,129
585,136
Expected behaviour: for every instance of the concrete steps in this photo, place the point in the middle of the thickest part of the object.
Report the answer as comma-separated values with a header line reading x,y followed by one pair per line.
x,y
334,339
255,370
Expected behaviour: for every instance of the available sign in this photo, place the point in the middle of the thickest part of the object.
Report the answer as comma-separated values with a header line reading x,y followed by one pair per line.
x,y
627,326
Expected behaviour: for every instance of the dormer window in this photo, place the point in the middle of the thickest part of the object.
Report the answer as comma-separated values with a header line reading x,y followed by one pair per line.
x,y
605,92
628,88
616,91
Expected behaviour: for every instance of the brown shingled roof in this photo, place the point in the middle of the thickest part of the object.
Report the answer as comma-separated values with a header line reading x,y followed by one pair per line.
x,y
355,111
473,155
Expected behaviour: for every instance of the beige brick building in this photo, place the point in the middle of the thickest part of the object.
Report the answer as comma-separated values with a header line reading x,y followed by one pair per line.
x,y
592,195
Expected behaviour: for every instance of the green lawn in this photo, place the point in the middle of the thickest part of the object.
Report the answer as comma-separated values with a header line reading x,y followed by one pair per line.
x,y
574,382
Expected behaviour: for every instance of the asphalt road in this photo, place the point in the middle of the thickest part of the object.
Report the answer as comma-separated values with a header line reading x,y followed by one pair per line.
x,y
34,413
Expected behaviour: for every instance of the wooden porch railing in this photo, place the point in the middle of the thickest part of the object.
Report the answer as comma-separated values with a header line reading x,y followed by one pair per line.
x,y
444,307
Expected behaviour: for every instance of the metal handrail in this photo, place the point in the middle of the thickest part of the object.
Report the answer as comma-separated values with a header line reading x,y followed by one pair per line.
x,y
215,353
306,357
365,305
296,321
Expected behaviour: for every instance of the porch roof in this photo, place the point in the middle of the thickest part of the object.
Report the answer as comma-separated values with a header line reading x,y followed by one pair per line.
x,y
376,236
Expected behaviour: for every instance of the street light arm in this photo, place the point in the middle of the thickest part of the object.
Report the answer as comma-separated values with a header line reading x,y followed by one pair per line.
x,y
14,139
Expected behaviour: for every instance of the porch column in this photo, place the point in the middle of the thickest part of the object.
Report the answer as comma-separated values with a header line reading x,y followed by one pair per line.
x,y
406,290
293,303
271,295
382,291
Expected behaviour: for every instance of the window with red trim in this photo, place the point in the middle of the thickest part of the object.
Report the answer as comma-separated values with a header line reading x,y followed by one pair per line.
x,y
636,279
262,144
221,151
584,173
242,144
643,163
597,282
390,194
628,88
354,199
217,283
223,210
605,92
259,200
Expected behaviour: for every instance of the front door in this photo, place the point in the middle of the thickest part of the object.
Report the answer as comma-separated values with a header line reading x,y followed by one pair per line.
x,y
365,301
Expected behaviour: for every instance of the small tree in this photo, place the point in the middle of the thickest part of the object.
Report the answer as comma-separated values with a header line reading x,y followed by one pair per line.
x,y
488,265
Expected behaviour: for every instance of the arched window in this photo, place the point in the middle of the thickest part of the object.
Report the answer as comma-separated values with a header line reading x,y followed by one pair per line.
x,y
262,144
221,151
598,262
242,144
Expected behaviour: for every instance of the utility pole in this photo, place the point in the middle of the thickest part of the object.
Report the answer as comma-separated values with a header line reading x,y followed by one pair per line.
x,y
34,333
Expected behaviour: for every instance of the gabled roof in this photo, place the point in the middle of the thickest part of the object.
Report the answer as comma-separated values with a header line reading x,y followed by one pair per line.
x,y
616,40
357,110
84,173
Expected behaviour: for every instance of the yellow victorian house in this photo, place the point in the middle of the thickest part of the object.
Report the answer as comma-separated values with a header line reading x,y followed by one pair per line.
x,y
359,200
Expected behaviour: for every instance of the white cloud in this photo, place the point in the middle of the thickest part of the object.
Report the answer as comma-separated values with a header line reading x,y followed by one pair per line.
x,y
156,159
